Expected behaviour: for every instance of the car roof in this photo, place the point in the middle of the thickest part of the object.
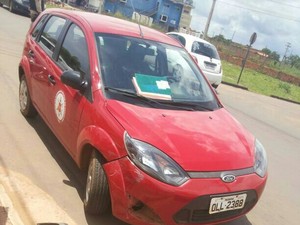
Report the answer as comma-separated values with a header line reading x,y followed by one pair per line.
x,y
190,38
111,25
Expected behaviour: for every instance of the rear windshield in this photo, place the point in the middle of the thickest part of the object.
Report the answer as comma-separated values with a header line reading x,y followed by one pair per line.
x,y
205,49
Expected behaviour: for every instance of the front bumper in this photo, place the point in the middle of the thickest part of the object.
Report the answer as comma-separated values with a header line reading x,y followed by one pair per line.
x,y
139,199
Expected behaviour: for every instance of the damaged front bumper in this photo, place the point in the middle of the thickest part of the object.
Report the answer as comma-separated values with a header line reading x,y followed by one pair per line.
x,y
139,199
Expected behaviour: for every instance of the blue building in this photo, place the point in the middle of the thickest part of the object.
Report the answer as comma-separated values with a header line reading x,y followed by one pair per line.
x,y
166,13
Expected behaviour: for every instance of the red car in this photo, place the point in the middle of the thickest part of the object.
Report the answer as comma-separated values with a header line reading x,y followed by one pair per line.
x,y
134,110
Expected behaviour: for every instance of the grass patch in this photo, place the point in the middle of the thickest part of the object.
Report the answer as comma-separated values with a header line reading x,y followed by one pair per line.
x,y
260,83
286,69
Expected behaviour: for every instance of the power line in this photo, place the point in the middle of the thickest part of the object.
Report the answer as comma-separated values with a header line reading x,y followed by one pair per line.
x,y
283,3
259,11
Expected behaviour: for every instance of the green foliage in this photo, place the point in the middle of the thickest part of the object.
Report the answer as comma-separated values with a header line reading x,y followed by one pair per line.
x,y
266,51
285,86
293,61
285,68
275,56
272,54
260,83
221,38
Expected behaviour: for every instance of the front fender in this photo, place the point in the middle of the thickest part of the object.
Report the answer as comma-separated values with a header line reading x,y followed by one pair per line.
x,y
24,66
100,140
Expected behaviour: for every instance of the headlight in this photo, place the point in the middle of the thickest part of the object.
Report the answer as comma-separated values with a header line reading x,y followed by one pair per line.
x,y
154,162
261,162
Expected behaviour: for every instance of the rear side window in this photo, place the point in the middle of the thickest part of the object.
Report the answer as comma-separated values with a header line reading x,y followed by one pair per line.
x,y
74,53
205,49
39,26
179,38
182,40
51,33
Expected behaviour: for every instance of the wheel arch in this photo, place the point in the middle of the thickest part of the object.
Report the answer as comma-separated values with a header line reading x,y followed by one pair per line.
x,y
21,72
86,154
94,138
24,67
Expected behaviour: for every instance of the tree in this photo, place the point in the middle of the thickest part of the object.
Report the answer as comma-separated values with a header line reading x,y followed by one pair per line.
x,y
272,54
275,56
266,51
221,38
293,60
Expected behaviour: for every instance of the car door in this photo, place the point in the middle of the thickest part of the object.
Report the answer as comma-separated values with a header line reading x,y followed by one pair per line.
x,y
40,55
66,104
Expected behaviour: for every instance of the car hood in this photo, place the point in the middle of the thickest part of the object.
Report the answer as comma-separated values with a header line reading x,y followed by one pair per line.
x,y
196,140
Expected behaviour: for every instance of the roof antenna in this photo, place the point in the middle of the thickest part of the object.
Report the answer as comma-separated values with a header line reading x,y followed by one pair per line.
x,y
141,32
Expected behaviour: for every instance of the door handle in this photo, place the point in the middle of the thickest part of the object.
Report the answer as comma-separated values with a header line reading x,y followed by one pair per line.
x,y
51,79
31,56
31,53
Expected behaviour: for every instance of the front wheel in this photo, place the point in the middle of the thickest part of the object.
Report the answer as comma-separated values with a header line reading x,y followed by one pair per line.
x,y
97,198
26,107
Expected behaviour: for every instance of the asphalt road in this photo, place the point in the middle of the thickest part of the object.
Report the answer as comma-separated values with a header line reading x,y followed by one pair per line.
x,y
32,159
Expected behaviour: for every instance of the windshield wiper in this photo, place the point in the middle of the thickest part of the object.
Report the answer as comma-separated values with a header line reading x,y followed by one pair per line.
x,y
148,100
193,104
122,91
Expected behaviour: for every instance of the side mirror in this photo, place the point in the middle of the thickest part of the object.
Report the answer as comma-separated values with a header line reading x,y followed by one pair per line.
x,y
74,80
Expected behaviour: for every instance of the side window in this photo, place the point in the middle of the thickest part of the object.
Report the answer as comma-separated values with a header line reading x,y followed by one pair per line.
x,y
38,27
51,33
179,38
74,53
182,40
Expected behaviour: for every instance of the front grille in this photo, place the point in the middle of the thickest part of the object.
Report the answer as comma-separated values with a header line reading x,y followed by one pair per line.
x,y
197,210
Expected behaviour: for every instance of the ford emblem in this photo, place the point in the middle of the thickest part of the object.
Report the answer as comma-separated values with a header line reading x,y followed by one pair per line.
x,y
228,178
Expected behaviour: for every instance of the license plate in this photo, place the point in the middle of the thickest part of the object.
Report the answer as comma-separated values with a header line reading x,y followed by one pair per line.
x,y
210,67
227,203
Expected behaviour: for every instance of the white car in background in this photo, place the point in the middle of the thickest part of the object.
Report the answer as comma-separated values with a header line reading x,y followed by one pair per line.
x,y
206,55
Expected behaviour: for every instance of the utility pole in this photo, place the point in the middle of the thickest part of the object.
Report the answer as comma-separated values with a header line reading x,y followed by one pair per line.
x,y
233,35
209,18
288,45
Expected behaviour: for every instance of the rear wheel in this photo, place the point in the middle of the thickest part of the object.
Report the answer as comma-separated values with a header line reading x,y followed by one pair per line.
x,y
26,107
97,198
215,86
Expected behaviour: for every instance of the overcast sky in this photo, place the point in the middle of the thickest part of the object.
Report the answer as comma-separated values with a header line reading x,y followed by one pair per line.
x,y
275,22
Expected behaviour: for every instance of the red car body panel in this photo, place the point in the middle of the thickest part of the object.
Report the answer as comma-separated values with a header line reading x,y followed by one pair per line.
x,y
126,180
199,141
190,137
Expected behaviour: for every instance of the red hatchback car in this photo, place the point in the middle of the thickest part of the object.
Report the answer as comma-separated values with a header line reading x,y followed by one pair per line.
x,y
134,110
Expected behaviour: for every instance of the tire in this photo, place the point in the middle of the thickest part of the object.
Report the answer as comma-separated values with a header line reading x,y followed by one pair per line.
x,y
11,6
215,86
97,197
26,107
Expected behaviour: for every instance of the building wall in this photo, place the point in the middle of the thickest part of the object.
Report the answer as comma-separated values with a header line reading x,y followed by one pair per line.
x,y
172,11
186,17
141,6
157,9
